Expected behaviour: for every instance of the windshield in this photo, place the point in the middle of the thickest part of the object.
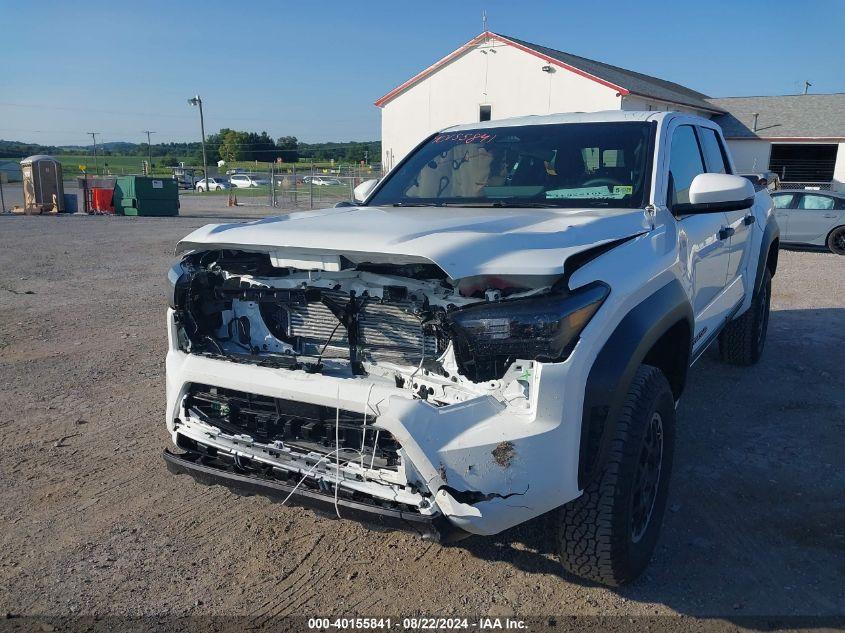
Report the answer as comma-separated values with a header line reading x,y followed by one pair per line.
x,y
564,165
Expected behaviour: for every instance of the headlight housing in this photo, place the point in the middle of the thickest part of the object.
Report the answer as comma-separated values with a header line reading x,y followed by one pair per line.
x,y
490,336
177,285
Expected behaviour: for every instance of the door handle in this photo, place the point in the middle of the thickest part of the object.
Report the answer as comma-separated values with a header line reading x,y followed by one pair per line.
x,y
830,215
725,232
749,220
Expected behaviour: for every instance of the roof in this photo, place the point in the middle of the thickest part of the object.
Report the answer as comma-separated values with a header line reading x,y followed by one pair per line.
x,y
605,116
624,81
37,157
819,116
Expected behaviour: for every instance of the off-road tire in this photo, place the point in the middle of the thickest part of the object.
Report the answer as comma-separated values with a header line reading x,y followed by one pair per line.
x,y
596,538
742,340
836,241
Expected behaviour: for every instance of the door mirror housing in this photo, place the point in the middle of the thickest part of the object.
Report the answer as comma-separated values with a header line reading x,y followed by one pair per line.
x,y
716,193
363,190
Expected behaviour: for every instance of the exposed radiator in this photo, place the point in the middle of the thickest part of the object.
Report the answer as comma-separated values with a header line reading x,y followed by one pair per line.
x,y
388,331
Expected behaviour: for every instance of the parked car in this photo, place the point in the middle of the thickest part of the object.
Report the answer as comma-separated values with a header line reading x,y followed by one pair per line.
x,y
811,218
490,336
764,180
325,181
244,181
215,183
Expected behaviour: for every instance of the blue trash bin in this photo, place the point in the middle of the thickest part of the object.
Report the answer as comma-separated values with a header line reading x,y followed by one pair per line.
x,y
71,203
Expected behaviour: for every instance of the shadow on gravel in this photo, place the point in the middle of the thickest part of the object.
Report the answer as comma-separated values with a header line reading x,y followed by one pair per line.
x,y
755,521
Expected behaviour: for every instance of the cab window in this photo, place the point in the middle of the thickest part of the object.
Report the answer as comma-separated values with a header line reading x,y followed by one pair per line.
x,y
714,155
685,163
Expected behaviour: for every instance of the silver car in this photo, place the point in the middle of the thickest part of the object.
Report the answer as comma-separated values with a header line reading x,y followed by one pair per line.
x,y
812,218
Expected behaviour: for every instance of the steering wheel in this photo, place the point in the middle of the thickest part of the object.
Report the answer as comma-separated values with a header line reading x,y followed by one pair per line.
x,y
601,180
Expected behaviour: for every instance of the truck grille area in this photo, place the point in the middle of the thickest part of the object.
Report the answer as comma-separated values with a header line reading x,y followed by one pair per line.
x,y
298,425
392,331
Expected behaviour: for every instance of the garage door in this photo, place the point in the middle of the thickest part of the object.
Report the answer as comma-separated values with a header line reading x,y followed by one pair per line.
x,y
805,164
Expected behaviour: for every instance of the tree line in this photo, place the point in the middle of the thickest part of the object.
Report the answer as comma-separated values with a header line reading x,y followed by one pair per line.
x,y
227,144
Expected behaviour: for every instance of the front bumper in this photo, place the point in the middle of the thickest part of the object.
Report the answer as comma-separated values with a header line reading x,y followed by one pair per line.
x,y
477,464
212,472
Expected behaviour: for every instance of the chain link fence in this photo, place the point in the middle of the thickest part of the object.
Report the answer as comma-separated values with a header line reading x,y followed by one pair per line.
x,y
295,186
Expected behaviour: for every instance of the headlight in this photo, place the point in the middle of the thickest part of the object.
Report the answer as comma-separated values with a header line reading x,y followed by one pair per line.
x,y
177,285
488,337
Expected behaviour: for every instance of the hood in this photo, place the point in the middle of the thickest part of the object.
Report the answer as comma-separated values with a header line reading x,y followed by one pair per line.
x,y
463,241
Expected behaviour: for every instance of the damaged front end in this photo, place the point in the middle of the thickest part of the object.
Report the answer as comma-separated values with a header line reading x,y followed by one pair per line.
x,y
376,388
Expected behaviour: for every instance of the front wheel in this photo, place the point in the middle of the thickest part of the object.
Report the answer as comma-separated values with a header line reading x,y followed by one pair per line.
x,y
836,241
608,534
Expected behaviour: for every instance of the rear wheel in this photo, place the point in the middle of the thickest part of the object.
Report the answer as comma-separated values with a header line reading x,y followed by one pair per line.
x,y
742,340
836,241
608,534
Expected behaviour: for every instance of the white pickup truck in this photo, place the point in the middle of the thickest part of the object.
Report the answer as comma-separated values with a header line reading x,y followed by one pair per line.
x,y
501,329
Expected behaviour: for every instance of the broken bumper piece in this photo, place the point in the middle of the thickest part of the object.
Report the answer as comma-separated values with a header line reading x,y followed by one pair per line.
x,y
212,471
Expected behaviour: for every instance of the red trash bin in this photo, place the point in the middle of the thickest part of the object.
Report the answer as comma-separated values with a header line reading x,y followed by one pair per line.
x,y
101,200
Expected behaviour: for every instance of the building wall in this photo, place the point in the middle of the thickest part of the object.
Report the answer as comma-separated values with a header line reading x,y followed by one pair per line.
x,y
511,81
751,155
839,170
635,103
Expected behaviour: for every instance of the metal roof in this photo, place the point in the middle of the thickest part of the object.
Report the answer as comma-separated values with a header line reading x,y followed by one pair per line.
x,y
797,117
633,82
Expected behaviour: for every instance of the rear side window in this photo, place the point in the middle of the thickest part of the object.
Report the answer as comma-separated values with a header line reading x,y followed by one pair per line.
x,y
811,201
684,164
714,155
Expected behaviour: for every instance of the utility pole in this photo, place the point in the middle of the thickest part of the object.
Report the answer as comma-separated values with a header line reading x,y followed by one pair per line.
x,y
96,166
807,85
149,153
196,101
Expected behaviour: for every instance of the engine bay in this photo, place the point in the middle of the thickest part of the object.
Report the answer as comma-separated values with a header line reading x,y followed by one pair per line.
x,y
443,340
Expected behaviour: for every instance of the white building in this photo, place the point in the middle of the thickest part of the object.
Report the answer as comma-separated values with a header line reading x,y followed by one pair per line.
x,y
799,137
495,76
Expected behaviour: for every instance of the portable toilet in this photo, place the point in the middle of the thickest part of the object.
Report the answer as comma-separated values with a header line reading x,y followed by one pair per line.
x,y
43,189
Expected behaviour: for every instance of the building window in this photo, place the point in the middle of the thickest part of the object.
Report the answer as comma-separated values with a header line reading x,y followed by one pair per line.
x,y
484,113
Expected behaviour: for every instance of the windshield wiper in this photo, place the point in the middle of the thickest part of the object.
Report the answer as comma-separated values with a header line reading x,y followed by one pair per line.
x,y
528,205
416,204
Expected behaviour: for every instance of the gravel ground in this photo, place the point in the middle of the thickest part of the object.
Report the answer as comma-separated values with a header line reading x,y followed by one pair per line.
x,y
93,524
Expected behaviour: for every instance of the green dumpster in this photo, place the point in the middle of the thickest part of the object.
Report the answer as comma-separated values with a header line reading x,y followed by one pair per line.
x,y
143,195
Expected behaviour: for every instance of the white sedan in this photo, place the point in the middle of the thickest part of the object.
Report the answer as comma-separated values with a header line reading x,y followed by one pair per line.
x,y
322,180
214,184
245,181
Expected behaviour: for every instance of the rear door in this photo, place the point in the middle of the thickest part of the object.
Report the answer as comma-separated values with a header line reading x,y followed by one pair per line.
x,y
812,218
739,223
703,250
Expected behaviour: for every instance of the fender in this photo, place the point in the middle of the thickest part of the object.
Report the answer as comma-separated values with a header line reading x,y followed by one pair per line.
x,y
614,367
770,234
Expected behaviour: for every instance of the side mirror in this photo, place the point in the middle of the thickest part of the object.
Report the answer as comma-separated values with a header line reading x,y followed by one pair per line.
x,y
363,190
716,193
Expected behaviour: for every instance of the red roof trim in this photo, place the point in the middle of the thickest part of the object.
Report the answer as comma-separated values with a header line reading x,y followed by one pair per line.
x,y
493,36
